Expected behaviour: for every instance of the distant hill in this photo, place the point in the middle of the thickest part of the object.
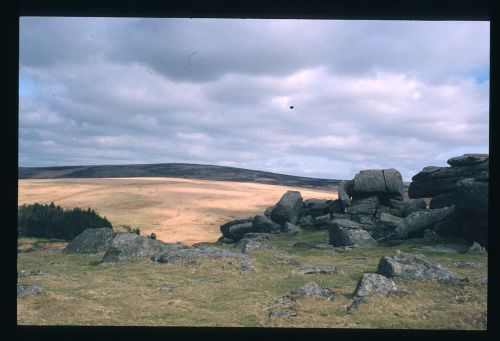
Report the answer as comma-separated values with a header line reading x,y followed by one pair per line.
x,y
174,170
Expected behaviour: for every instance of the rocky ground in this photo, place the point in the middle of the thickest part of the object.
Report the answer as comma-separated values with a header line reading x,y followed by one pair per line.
x,y
280,280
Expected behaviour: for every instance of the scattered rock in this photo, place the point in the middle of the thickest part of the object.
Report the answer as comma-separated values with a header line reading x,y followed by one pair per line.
x,y
257,236
249,245
483,280
345,232
165,289
283,307
356,302
127,246
288,208
312,289
246,266
371,283
282,313
91,241
24,273
291,261
415,267
28,289
446,248
476,248
468,264
319,269
323,246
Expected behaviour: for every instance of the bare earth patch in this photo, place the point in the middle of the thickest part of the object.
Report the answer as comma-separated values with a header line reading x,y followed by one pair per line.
x,y
175,209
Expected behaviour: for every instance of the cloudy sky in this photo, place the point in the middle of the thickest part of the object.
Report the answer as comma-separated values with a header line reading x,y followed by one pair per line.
x,y
366,94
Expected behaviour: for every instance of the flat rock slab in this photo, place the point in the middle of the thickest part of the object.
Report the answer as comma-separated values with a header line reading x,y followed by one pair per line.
x,y
191,254
446,248
312,289
25,273
28,289
416,267
249,245
319,269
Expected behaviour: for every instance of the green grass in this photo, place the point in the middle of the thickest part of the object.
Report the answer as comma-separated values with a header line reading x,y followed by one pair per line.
x,y
217,293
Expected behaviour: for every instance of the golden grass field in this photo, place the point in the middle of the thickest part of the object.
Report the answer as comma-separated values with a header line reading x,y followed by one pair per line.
x,y
183,210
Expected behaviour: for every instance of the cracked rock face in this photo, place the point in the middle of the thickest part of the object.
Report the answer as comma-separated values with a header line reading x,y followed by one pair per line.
x,y
408,266
387,181
345,232
371,283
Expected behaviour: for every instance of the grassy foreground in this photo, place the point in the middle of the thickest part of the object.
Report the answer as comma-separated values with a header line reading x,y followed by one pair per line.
x,y
217,293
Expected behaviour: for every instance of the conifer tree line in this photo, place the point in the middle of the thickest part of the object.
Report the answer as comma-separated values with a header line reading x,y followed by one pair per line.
x,y
51,221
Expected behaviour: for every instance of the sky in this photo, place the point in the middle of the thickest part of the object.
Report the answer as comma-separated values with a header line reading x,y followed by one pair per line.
x,y
365,94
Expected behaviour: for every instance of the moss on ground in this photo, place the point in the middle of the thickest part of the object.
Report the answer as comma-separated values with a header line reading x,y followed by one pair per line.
x,y
217,293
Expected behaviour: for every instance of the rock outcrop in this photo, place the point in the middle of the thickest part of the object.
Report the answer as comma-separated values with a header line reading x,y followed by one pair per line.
x,y
127,246
288,209
464,185
189,254
415,267
91,241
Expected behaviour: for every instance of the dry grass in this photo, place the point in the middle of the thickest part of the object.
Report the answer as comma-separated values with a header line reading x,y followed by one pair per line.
x,y
182,210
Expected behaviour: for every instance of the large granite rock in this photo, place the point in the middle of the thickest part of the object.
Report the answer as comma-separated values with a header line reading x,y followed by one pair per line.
x,y
343,232
322,222
367,205
414,205
371,283
91,241
418,221
224,228
442,200
471,194
389,226
383,181
261,223
307,222
236,232
127,246
288,208
415,267
432,180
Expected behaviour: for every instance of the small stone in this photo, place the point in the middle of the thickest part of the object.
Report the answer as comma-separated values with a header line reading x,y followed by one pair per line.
x,y
28,289
319,269
167,288
312,289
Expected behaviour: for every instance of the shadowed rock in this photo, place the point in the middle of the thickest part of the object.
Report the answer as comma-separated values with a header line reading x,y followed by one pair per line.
x,y
291,229
307,222
256,236
322,221
371,283
129,246
261,223
28,289
319,269
414,205
415,267
91,241
224,228
316,207
344,191
238,231
288,208
366,205
471,194
343,232
269,210
442,200
420,220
